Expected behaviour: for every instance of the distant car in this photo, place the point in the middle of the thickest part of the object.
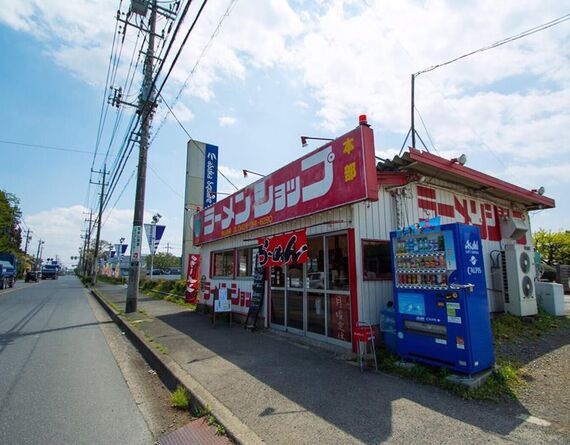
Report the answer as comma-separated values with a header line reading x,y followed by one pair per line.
x,y
31,276
175,271
166,272
157,272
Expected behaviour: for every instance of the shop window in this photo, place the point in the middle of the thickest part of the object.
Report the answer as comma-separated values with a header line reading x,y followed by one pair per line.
x,y
224,263
316,264
277,276
295,275
337,247
246,261
377,264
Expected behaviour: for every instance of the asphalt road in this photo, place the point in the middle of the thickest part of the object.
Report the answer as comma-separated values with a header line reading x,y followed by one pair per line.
x,y
59,381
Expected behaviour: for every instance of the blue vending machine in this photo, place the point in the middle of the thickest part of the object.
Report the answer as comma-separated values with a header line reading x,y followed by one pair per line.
x,y
440,294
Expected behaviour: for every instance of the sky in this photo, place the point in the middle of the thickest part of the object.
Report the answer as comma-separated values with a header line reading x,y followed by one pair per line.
x,y
253,77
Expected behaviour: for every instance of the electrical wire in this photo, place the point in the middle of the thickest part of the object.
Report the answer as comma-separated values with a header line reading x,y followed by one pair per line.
x,y
198,61
192,139
522,34
49,147
119,197
164,182
426,130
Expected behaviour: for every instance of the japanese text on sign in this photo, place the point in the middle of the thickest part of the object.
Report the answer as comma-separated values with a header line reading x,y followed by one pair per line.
x,y
283,249
339,173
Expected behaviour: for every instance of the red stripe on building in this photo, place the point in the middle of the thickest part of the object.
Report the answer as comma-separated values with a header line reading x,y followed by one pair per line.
x,y
426,192
446,210
428,205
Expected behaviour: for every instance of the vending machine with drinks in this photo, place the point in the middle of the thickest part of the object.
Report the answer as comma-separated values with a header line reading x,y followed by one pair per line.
x,y
440,294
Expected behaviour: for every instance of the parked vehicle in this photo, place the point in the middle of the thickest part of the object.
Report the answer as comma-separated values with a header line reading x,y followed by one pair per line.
x,y
8,269
31,276
50,271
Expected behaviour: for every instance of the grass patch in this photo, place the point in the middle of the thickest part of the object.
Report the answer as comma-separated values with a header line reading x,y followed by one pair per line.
x,y
144,312
180,399
504,382
163,349
507,327
508,376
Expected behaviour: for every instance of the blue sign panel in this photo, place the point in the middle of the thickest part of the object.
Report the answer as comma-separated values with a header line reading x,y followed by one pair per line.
x,y
210,175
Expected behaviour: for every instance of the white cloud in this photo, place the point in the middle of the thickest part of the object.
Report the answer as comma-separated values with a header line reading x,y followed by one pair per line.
x,y
60,229
227,121
183,113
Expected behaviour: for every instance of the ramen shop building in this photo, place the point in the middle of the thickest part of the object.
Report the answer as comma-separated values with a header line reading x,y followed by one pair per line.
x,y
323,223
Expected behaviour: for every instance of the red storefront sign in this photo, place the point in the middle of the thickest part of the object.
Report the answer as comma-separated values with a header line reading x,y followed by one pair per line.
x,y
192,281
283,249
339,173
466,210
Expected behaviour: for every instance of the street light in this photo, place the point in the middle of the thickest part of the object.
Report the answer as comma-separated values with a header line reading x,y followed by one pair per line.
x,y
245,172
305,138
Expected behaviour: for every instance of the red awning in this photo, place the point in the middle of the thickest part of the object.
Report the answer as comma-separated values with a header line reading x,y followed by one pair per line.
x,y
430,165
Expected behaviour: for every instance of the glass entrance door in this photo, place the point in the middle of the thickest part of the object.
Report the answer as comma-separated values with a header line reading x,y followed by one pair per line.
x,y
313,298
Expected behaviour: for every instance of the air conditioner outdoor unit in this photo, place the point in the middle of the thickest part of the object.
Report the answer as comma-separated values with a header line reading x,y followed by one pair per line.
x,y
517,264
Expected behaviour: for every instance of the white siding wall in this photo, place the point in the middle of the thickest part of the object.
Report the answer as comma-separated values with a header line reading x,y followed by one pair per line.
x,y
372,220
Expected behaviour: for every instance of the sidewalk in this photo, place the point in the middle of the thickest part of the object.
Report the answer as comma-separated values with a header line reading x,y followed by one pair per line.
x,y
284,392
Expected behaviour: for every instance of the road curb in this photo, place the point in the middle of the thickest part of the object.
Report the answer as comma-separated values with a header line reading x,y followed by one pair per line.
x,y
173,375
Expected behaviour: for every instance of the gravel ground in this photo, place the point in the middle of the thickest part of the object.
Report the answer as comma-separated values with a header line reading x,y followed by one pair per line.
x,y
546,361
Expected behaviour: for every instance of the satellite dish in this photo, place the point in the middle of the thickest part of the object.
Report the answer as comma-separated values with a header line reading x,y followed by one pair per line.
x,y
462,159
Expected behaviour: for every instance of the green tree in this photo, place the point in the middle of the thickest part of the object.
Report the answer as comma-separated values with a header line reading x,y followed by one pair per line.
x,y
554,247
163,260
10,215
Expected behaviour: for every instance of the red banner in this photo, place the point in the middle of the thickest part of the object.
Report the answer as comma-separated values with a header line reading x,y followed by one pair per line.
x,y
192,278
337,174
283,249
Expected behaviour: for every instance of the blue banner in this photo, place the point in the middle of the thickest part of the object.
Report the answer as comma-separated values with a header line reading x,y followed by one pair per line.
x,y
210,175
153,235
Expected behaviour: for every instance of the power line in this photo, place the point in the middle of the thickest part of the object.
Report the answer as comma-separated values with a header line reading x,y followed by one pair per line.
x,y
120,195
426,130
164,182
528,32
192,139
49,147
198,61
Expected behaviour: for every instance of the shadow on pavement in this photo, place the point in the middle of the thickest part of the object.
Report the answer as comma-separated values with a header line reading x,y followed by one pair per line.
x,y
361,404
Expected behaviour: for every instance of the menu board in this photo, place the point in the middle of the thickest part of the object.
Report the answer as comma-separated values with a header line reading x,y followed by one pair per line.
x,y
258,291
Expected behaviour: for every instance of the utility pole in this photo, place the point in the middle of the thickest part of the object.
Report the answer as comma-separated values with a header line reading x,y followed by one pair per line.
x,y
413,129
38,256
167,248
28,239
87,243
97,238
145,110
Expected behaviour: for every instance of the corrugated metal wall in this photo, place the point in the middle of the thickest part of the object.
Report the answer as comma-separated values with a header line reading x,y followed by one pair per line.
x,y
373,220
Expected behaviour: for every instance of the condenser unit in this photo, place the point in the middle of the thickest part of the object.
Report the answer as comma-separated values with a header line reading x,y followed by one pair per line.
x,y
518,273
